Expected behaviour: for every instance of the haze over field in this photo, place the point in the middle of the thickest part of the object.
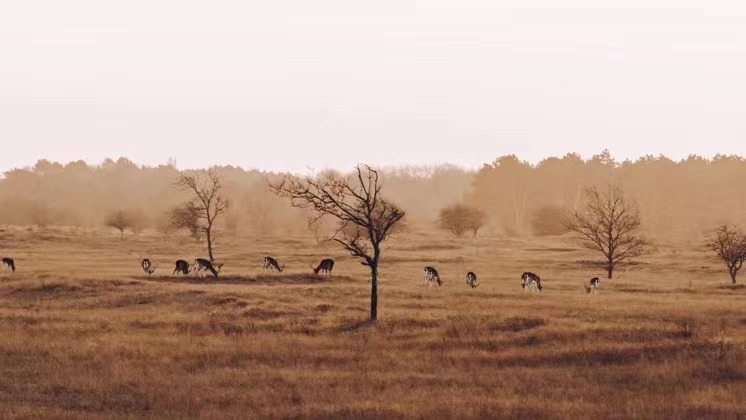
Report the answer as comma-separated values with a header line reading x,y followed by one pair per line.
x,y
289,85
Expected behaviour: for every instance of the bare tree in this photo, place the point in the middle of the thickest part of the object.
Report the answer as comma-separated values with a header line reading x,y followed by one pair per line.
x,y
207,203
119,220
187,217
460,219
729,244
609,223
363,218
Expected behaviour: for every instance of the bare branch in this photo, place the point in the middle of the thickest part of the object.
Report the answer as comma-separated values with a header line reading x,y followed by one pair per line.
x,y
365,219
729,244
207,202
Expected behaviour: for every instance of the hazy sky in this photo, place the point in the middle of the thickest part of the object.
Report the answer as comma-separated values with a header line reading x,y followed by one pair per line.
x,y
288,85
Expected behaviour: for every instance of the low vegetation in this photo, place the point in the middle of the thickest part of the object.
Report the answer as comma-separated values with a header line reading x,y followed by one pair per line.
x,y
460,219
123,220
548,221
184,217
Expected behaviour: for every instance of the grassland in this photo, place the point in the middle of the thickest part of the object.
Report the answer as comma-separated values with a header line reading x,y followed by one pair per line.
x,y
83,333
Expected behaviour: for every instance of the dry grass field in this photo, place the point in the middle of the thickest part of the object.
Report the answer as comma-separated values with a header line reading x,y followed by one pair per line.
x,y
83,333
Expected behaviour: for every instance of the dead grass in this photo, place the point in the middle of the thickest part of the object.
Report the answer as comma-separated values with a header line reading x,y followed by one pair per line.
x,y
93,337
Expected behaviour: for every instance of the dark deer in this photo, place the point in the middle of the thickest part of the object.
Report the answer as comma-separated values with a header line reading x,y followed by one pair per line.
x,y
270,262
594,283
201,265
147,266
530,281
432,276
9,263
182,267
471,280
326,265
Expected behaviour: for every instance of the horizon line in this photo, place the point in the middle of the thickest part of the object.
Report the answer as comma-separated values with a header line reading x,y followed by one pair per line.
x,y
391,166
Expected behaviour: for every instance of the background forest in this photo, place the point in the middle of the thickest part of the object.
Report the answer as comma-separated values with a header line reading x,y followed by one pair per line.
x,y
677,199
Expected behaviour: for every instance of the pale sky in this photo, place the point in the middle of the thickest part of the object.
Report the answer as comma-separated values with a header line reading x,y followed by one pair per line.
x,y
290,85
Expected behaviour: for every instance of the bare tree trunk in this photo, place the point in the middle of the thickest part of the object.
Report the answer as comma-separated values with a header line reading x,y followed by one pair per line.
x,y
208,233
374,283
374,292
733,274
610,268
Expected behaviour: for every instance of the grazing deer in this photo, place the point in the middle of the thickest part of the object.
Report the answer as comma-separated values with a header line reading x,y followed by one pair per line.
x,y
530,280
270,262
594,283
182,267
201,265
326,265
9,263
471,280
432,276
147,266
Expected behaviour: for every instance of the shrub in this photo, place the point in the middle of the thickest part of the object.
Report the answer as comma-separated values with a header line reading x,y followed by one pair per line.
x,y
547,221
460,219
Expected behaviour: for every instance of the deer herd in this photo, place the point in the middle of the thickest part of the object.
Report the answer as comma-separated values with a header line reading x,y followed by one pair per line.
x,y
202,266
530,282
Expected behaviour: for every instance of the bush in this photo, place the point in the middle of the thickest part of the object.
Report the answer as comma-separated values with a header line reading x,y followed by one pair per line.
x,y
186,217
460,219
120,220
548,221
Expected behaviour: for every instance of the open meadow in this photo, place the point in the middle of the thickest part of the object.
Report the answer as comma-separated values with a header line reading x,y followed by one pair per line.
x,y
84,333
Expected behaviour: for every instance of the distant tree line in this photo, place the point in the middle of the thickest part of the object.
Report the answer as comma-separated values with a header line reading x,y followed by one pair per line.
x,y
132,197
676,199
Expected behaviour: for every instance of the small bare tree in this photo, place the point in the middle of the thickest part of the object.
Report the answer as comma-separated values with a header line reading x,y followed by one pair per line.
x,y
609,223
207,203
364,218
460,219
119,220
185,217
729,244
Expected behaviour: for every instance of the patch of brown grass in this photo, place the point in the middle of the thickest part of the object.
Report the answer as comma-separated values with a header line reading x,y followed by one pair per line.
x,y
93,337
